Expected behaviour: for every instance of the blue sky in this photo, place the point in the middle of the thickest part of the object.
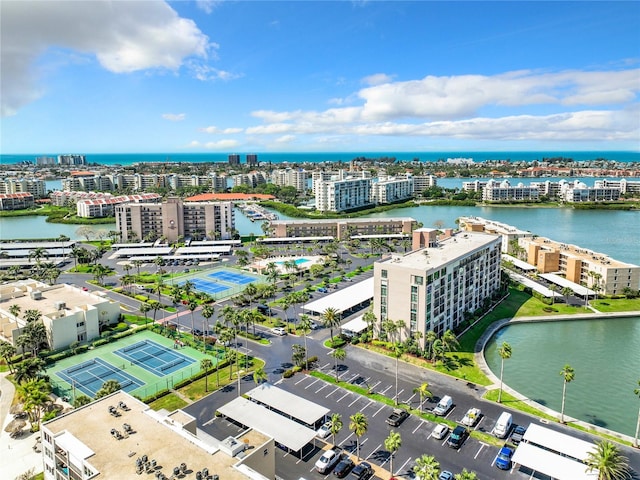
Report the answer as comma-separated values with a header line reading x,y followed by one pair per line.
x,y
240,76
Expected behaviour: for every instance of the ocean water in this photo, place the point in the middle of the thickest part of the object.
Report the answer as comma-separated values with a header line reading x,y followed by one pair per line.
x,y
317,157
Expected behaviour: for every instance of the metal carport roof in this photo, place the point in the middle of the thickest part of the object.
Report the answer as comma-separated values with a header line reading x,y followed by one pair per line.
x,y
563,282
518,263
292,435
297,407
343,299
552,464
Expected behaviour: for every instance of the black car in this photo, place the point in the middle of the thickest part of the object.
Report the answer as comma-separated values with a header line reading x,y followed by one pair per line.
x,y
397,417
518,433
344,467
457,437
362,471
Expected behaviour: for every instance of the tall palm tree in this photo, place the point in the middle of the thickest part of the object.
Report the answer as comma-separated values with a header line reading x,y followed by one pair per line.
x,y
424,392
553,288
331,319
397,351
206,364
426,468
38,254
607,459
449,341
271,271
359,424
338,354
566,291
636,392
392,443
260,375
34,395
305,325
15,310
192,306
505,353
108,387
8,351
336,425
207,312
568,374
429,338
144,308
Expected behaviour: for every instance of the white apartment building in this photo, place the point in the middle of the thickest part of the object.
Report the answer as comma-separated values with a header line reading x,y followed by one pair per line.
x,y
291,177
336,175
626,187
105,206
390,189
549,188
508,233
423,182
72,159
474,186
69,314
174,218
579,192
432,287
341,195
252,179
35,186
138,442
495,191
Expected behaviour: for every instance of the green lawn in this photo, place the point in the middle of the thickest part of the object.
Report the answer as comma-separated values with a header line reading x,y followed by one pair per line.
x,y
616,304
169,402
196,390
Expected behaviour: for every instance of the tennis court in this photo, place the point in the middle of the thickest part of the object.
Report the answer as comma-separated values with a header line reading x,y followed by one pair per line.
x,y
232,277
154,357
89,376
207,286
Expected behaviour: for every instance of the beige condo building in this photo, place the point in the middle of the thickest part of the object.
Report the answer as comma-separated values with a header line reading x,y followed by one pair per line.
x,y
342,229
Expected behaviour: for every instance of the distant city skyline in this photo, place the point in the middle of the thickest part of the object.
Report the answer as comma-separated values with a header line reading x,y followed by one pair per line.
x,y
341,76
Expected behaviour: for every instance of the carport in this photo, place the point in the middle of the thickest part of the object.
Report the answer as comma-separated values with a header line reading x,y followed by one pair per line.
x,y
292,406
284,431
563,282
203,250
535,286
354,327
555,454
344,300
524,266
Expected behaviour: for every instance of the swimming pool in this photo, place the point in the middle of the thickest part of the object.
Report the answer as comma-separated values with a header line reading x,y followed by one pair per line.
x,y
298,261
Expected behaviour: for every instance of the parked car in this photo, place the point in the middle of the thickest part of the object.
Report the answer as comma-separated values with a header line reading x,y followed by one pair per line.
x,y
397,417
503,425
457,437
322,290
443,406
445,475
503,460
278,331
327,461
518,433
324,430
471,417
440,431
345,465
362,471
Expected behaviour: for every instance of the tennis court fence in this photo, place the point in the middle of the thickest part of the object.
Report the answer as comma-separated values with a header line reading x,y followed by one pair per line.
x,y
135,346
81,366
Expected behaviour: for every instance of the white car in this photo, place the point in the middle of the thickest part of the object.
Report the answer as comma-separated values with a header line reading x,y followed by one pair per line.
x,y
278,331
324,430
440,431
327,461
471,417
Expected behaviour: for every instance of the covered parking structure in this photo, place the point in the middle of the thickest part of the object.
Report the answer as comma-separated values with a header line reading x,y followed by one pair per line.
x,y
563,282
146,252
345,301
354,327
296,408
555,454
192,252
287,433
288,240
524,266
535,286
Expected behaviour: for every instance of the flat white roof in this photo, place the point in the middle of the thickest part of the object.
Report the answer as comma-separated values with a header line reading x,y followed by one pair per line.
x,y
132,245
207,249
563,282
291,434
382,235
535,286
343,299
288,403
518,263
356,325
197,243
552,464
295,239
74,446
144,251
558,442
32,245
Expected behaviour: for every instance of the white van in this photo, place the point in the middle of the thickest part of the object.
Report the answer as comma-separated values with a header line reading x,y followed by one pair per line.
x,y
503,425
443,406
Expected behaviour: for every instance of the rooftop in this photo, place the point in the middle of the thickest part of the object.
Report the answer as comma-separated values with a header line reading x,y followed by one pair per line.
x,y
206,197
346,220
584,254
160,437
18,293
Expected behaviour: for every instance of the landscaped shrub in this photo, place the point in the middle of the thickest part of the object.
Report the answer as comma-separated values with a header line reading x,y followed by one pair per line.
x,y
288,374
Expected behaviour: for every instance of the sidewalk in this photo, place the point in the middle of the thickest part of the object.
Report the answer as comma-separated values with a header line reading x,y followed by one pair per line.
x,y
16,454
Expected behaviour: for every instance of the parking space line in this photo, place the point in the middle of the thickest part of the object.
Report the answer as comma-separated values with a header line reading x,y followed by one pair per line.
x,y
422,422
482,445
342,442
311,384
345,372
374,451
408,401
385,390
375,384
352,378
345,395
325,366
322,387
379,410
356,399
479,422
398,395
332,392
450,411
403,465
300,381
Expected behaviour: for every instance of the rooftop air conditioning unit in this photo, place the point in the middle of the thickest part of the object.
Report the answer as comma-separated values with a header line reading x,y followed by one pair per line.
x,y
36,295
231,446
60,305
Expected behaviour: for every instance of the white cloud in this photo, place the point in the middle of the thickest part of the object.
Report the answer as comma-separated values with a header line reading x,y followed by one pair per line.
x,y
223,131
377,79
207,73
174,117
124,36
207,6
285,139
219,145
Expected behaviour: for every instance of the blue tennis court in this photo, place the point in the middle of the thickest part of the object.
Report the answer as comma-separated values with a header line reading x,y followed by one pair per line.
x,y
207,286
154,357
232,277
89,376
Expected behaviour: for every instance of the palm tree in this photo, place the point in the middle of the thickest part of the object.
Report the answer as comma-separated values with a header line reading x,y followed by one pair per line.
x,y
567,374
331,319
336,425
397,351
15,310
206,364
466,475
108,387
34,395
29,369
566,291
423,392
608,461
305,325
259,375
392,443
99,272
429,338
426,468
505,353
338,354
80,401
636,392
449,341
144,308
553,288
207,312
38,254
8,351
359,424
192,305
271,271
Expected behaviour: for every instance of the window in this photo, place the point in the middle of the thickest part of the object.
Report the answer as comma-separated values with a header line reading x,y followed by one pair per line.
x,y
383,274
80,324
417,280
